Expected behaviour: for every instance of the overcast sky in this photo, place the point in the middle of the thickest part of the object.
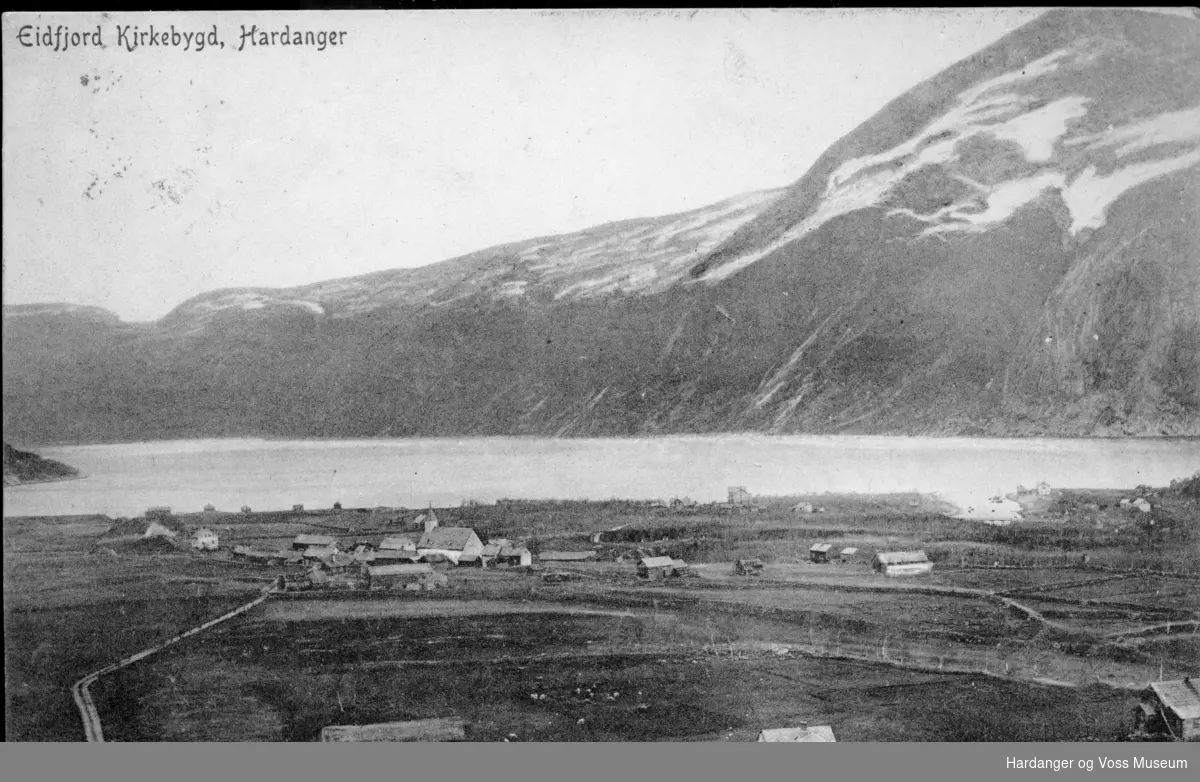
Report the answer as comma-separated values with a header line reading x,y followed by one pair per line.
x,y
134,180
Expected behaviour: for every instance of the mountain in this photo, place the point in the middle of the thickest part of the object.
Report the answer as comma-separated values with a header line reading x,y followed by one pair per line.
x,y
24,467
1010,248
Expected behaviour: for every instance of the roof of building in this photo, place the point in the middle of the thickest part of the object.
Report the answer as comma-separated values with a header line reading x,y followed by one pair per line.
x,y
398,542
565,556
657,562
1180,696
448,538
376,556
815,733
399,570
513,551
821,547
320,551
901,557
849,550
315,540
491,550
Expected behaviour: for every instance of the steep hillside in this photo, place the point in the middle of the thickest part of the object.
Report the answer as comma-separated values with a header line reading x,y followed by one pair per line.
x,y
24,467
1011,248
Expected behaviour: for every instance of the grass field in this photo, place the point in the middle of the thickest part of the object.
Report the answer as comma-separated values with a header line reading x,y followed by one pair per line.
x,y
718,657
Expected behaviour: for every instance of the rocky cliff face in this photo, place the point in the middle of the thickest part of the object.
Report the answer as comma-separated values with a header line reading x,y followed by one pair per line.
x,y
1011,248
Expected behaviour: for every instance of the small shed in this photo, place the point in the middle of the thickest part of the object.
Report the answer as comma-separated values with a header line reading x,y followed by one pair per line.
x,y
489,553
449,542
1170,708
304,542
439,729
803,733
820,552
848,554
656,568
205,540
901,563
748,567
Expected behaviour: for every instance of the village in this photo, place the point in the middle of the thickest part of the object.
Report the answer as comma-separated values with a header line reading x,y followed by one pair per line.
x,y
593,620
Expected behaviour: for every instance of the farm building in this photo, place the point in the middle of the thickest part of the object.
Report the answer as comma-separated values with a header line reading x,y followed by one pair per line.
x,y
656,568
158,512
1169,708
738,495
304,542
680,568
803,733
514,556
488,554
848,554
388,576
820,552
566,556
205,540
748,567
440,729
803,507
901,563
398,543
449,542
679,503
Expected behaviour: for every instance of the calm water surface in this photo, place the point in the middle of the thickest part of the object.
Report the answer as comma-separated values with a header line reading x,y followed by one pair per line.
x,y
272,475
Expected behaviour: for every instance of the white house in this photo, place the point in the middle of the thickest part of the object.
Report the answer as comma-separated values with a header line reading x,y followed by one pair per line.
x,y
205,540
449,542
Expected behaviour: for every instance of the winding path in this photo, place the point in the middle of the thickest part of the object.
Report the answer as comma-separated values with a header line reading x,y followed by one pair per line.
x,y
83,698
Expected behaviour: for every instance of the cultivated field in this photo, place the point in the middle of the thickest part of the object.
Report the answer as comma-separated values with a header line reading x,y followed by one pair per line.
x,y
1029,631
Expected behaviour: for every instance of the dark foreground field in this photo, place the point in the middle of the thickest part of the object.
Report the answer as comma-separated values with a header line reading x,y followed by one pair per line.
x,y
562,677
1050,645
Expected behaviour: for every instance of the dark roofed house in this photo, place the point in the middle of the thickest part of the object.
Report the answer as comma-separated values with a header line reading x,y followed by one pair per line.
x,y
656,568
303,542
1170,708
819,552
901,563
449,543
748,567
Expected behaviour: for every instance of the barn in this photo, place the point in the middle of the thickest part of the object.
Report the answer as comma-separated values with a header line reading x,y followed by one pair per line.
x,y
820,552
205,540
1170,708
449,542
514,556
901,563
748,567
304,542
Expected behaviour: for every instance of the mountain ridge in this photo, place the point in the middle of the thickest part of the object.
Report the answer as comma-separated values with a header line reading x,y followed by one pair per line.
x,y
1011,248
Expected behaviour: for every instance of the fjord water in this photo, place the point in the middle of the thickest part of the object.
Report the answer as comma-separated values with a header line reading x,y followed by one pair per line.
x,y
271,475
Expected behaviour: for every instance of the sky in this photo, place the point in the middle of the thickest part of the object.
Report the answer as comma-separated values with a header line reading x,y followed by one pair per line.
x,y
134,180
